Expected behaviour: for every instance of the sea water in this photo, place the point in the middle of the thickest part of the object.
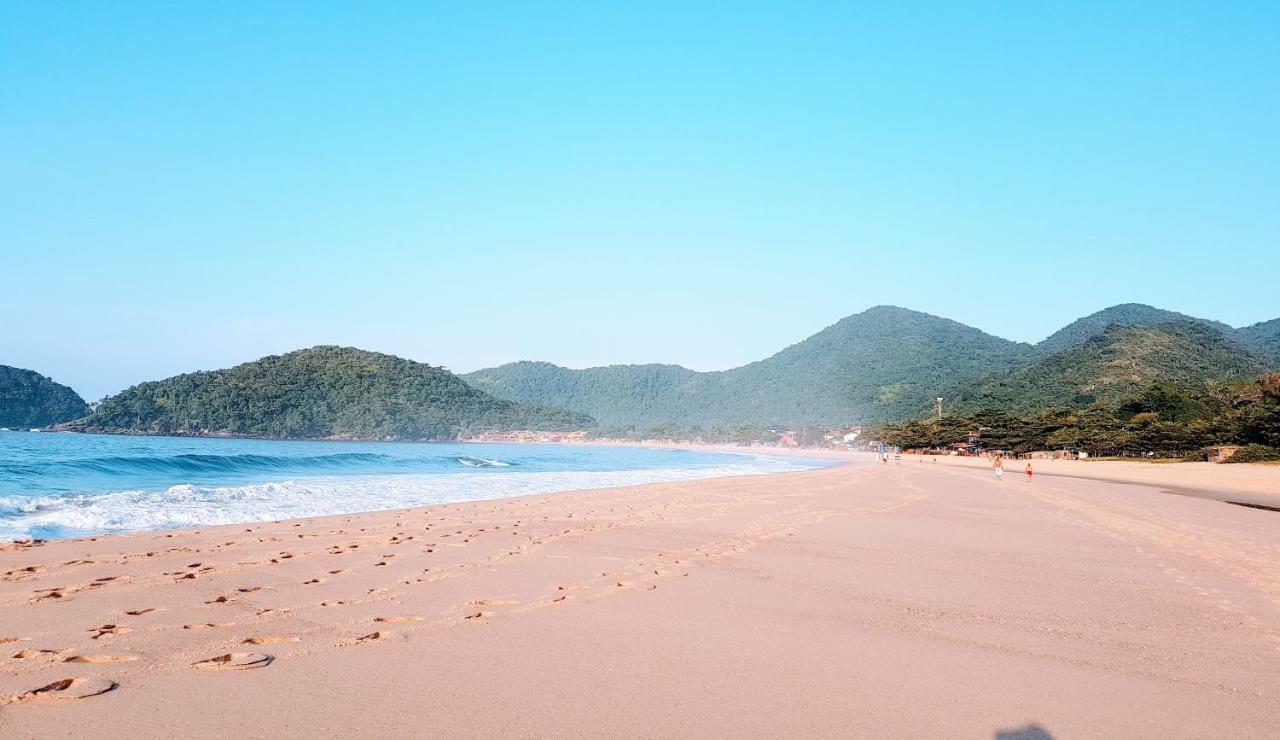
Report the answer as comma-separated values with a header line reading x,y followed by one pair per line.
x,y
56,485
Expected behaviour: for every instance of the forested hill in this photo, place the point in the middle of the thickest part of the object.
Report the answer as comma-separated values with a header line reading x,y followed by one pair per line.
x,y
617,395
889,363
884,363
1113,366
1263,338
1125,314
29,399
320,392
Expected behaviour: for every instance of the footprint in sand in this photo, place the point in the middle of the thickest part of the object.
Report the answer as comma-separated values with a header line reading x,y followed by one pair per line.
x,y
249,589
20,544
632,587
8,640
494,602
108,629
208,625
140,612
68,688
313,581
236,661
381,636
267,640
25,654
99,658
396,619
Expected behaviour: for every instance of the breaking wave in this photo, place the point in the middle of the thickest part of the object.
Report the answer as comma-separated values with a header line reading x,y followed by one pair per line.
x,y
196,463
188,505
480,462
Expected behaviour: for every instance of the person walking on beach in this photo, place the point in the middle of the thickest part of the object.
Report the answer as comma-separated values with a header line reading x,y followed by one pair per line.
x,y
998,465
1029,473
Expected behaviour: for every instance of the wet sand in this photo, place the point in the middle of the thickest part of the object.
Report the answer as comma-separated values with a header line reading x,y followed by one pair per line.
x,y
910,599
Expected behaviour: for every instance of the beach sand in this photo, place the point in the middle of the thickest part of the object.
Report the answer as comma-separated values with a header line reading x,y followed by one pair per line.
x,y
916,599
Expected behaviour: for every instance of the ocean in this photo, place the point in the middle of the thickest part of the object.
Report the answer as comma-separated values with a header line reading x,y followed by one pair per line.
x,y
59,485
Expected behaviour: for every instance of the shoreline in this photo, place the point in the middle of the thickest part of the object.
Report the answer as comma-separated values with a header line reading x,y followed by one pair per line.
x,y
1246,485
578,481
1064,605
1251,484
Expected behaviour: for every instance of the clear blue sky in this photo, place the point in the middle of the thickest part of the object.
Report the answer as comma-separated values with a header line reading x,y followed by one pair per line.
x,y
185,186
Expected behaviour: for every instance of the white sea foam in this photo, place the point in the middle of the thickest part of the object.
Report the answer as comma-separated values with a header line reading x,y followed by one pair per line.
x,y
481,462
192,506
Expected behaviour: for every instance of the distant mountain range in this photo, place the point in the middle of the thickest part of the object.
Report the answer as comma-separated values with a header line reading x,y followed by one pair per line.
x,y
888,364
884,364
29,399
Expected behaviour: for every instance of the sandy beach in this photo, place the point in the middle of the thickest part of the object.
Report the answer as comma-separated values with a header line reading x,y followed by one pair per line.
x,y
861,600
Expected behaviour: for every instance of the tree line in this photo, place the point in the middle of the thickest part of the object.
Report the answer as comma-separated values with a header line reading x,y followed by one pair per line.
x,y
1165,420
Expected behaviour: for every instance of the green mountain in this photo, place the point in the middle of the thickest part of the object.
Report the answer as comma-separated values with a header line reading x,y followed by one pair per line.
x,y
29,399
617,395
316,393
1114,366
1125,314
882,364
1263,338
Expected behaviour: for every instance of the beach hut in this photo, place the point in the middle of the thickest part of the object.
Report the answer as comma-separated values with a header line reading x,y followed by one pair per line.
x,y
1220,453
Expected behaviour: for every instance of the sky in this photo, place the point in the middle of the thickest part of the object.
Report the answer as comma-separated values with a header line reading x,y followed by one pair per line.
x,y
187,186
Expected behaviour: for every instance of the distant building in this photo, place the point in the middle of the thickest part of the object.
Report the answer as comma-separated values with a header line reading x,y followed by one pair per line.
x,y
1220,453
1050,455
